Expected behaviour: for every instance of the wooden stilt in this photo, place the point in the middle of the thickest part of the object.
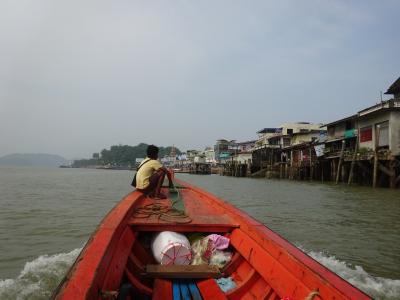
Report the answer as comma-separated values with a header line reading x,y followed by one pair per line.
x,y
311,166
397,180
299,170
392,179
343,173
375,170
322,171
339,169
291,165
352,164
286,170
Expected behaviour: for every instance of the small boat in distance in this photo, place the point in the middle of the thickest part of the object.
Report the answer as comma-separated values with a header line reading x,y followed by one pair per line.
x,y
117,263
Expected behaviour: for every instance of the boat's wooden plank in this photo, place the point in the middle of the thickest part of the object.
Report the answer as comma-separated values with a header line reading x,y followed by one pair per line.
x,y
303,272
120,256
221,228
135,264
87,274
176,291
261,289
162,289
138,284
185,294
244,286
194,291
143,254
182,271
273,296
280,279
200,211
307,270
209,289
233,264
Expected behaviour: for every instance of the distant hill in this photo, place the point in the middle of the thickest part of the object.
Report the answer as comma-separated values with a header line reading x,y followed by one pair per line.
x,y
33,159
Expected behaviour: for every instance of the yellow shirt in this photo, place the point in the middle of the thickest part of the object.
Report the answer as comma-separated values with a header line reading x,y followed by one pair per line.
x,y
147,168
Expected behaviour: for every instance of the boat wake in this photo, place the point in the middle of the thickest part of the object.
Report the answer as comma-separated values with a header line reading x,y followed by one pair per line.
x,y
376,287
41,276
38,278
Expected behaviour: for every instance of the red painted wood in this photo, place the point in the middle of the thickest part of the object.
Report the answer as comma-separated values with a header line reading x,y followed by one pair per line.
x,y
240,290
242,271
233,264
185,228
135,264
261,289
86,276
120,256
138,284
268,265
162,290
144,255
204,217
313,274
209,289
280,279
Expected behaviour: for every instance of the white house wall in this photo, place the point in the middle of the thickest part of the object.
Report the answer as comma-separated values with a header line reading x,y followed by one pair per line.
x,y
297,127
394,130
303,138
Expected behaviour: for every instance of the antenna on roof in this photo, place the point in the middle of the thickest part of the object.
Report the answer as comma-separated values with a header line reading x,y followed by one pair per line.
x,y
381,96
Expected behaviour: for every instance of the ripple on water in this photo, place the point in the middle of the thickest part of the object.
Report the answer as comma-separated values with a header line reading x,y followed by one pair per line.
x,y
353,231
38,278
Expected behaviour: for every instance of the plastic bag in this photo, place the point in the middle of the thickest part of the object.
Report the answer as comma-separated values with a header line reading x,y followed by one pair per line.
x,y
226,284
205,251
199,255
219,242
220,258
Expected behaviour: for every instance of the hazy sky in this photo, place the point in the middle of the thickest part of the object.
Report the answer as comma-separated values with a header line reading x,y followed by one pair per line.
x,y
80,76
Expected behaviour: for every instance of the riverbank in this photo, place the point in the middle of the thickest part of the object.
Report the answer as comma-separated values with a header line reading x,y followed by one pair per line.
x,y
382,171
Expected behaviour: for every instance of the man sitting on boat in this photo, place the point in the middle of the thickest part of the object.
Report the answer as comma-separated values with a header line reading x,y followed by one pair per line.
x,y
150,175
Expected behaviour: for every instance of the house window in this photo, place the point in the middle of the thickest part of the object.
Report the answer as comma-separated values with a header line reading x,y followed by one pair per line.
x,y
286,142
383,134
289,131
366,134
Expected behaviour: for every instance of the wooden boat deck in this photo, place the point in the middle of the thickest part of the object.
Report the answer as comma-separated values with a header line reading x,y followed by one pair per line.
x,y
205,217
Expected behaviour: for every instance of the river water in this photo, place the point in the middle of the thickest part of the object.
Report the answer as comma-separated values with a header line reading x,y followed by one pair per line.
x,y
47,215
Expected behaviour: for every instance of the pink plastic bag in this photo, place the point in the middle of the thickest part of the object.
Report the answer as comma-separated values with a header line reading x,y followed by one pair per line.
x,y
218,241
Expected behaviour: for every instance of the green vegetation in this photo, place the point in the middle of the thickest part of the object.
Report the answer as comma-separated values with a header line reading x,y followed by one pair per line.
x,y
120,156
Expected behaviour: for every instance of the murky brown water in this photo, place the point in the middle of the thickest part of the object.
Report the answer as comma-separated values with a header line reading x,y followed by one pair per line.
x,y
46,215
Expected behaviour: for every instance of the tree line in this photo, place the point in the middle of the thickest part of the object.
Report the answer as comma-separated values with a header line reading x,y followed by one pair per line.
x,y
120,155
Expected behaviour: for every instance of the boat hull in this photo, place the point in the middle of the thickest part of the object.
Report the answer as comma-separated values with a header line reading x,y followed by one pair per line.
x,y
264,266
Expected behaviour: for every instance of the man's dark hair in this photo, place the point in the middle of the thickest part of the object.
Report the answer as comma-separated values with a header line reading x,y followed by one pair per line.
x,y
152,151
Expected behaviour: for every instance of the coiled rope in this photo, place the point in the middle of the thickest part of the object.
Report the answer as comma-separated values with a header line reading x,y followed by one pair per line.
x,y
163,211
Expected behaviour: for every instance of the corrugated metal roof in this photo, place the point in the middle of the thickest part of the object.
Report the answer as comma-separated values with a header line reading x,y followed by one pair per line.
x,y
270,130
341,120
